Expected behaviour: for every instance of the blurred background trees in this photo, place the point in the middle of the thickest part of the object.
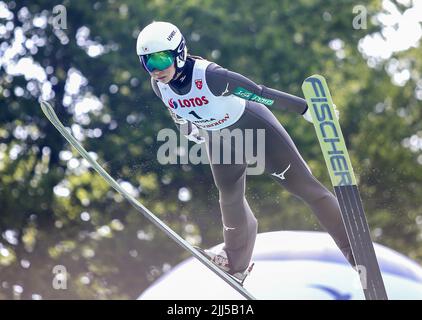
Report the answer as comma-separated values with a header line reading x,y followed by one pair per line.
x,y
55,211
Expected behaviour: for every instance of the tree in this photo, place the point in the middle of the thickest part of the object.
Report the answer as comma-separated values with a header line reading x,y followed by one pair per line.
x,y
55,211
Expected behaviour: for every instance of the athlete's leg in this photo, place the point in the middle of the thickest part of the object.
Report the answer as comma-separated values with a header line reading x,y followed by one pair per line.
x,y
239,223
285,164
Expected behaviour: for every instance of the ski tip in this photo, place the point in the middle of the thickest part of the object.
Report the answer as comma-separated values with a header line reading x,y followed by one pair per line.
x,y
44,104
315,76
47,109
311,80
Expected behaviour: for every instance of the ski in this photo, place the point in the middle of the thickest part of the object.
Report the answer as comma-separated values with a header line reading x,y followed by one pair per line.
x,y
337,159
52,117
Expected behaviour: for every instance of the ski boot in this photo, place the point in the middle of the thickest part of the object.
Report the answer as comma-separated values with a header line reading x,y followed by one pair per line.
x,y
220,260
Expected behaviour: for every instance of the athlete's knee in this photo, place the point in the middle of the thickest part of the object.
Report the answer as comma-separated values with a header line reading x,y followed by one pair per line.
x,y
310,190
321,196
226,183
231,193
235,203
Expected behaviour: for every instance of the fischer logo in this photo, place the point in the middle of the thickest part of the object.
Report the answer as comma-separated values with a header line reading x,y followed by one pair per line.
x,y
333,147
198,83
188,103
171,35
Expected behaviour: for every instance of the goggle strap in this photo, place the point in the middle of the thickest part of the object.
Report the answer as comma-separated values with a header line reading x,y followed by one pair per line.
x,y
143,62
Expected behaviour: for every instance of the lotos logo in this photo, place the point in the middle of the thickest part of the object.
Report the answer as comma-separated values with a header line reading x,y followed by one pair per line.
x,y
173,104
198,83
188,103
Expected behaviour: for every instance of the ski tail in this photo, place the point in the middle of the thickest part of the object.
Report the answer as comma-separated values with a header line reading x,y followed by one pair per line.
x,y
52,117
341,173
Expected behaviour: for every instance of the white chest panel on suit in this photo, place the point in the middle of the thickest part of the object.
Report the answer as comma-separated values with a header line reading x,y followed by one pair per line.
x,y
200,106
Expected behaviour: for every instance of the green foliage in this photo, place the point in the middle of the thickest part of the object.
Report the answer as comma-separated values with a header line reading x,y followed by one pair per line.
x,y
56,211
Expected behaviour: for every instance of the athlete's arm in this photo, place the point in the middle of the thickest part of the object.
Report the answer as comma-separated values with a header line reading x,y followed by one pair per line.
x,y
177,120
225,82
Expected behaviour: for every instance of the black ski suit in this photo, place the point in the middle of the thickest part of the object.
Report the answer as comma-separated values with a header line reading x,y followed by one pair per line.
x,y
283,163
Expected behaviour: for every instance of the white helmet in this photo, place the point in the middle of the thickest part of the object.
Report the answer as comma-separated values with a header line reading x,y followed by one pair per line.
x,y
162,36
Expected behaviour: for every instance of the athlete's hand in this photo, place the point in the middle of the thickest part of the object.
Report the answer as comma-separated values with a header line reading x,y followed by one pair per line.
x,y
194,135
308,117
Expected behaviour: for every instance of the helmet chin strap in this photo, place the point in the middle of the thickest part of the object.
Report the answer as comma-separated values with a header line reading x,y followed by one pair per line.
x,y
179,71
180,59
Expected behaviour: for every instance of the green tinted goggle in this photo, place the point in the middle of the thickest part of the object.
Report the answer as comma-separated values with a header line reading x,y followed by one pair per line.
x,y
158,60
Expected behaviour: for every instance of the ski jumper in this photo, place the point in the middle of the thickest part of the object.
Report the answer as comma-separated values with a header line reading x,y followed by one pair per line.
x,y
208,96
